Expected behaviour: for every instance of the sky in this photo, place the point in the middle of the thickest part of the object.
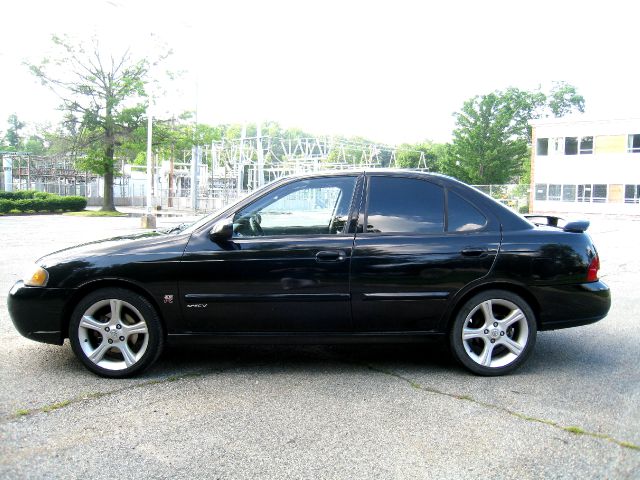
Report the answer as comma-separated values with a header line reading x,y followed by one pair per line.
x,y
392,71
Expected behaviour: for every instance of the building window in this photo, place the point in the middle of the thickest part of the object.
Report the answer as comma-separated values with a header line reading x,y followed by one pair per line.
x,y
568,193
632,194
571,145
584,193
557,146
541,191
596,193
599,193
634,143
542,146
586,145
554,192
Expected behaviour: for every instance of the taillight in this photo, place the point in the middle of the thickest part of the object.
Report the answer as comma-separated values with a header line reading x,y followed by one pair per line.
x,y
592,271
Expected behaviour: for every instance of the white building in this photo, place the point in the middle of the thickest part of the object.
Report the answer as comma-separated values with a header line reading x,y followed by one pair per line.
x,y
585,165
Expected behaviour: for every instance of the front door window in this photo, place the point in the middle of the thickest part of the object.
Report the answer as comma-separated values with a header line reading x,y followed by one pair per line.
x,y
307,207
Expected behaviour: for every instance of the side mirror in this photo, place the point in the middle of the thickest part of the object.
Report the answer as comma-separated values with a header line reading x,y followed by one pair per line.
x,y
222,231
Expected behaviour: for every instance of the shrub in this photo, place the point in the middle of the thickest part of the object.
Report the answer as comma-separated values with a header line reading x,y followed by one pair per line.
x,y
31,201
5,205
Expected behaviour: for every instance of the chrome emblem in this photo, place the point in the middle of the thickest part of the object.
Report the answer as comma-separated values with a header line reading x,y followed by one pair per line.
x,y
168,299
197,305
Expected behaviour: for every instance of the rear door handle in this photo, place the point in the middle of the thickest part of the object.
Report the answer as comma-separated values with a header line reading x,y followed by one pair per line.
x,y
330,256
473,251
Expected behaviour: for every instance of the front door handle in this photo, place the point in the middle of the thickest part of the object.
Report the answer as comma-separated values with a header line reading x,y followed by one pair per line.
x,y
330,256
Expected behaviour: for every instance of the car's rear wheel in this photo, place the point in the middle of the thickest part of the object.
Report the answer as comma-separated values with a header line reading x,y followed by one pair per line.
x,y
115,332
493,333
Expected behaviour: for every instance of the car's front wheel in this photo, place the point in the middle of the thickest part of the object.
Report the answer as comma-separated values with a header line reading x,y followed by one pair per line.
x,y
493,333
115,332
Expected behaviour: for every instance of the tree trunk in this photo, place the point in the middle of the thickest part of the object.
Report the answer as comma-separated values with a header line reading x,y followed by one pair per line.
x,y
107,196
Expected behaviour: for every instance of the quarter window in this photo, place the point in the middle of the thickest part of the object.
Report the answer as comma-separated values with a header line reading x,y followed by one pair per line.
x,y
404,205
462,216
317,206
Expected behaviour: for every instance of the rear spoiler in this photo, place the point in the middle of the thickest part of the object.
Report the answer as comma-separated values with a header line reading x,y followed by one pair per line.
x,y
576,226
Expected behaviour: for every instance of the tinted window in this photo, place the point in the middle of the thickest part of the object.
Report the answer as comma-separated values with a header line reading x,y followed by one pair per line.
x,y
463,216
404,205
318,206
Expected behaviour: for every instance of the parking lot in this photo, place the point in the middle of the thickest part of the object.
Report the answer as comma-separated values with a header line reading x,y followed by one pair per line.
x,y
572,411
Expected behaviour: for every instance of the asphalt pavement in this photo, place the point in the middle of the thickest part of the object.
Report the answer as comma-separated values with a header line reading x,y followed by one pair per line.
x,y
384,412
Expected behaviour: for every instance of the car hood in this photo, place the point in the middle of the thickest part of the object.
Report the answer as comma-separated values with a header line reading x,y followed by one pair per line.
x,y
147,243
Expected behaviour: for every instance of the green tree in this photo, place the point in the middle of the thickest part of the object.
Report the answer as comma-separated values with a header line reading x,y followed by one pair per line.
x,y
492,136
426,154
105,96
564,99
488,146
35,144
12,138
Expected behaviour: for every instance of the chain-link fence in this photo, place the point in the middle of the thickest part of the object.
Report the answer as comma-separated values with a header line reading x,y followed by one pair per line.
x,y
208,199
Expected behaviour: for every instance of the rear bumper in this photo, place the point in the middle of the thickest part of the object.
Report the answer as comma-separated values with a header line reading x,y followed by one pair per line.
x,y
564,306
38,313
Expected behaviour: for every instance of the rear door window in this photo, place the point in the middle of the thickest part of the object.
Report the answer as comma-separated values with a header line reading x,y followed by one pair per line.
x,y
404,205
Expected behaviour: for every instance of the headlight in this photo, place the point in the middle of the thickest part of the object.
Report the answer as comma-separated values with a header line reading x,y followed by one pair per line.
x,y
36,276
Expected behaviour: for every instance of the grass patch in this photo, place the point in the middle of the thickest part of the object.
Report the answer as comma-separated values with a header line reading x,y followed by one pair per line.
x,y
629,445
95,213
575,430
22,412
55,406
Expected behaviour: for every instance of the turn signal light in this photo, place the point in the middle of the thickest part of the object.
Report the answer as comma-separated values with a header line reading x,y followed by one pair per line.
x,y
592,271
36,277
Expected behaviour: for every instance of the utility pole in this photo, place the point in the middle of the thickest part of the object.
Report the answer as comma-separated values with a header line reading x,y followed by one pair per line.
x,y
240,165
260,155
149,219
196,152
171,162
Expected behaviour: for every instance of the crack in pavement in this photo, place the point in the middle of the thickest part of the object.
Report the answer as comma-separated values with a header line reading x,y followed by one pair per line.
x,y
571,429
414,384
95,395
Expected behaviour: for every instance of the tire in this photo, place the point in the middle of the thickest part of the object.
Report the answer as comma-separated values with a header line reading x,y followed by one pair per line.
x,y
493,333
115,333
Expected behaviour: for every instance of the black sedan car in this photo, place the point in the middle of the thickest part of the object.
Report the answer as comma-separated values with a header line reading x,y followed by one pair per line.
x,y
375,256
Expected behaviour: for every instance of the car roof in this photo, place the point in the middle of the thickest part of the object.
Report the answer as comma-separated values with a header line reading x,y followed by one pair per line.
x,y
369,171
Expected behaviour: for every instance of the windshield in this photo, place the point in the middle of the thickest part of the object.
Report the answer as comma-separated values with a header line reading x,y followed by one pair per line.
x,y
192,227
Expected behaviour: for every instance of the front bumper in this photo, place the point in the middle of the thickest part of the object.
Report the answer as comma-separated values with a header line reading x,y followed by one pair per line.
x,y
564,306
38,313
